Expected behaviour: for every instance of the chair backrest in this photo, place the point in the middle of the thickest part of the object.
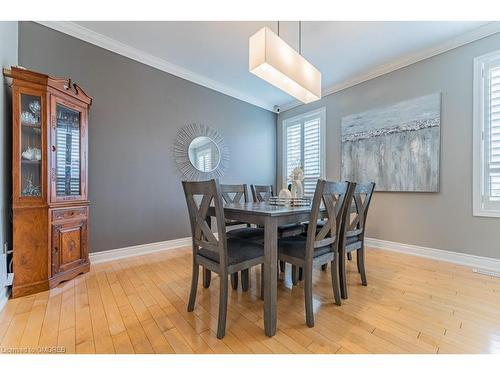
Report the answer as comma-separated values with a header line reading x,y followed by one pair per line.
x,y
356,219
199,197
234,193
334,197
261,193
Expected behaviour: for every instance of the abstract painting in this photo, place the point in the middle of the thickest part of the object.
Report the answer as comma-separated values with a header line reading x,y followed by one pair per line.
x,y
397,146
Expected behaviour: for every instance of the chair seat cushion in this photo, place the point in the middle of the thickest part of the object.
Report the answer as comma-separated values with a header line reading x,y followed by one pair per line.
x,y
246,233
352,239
296,247
237,251
290,230
233,222
352,243
354,233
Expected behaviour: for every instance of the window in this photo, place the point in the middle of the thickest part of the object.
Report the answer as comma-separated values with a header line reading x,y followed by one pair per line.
x,y
303,145
486,164
205,159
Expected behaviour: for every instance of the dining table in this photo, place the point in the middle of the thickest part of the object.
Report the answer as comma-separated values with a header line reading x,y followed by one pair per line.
x,y
269,217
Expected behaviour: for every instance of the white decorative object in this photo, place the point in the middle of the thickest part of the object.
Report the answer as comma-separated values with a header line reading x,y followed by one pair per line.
x,y
200,167
28,154
37,154
285,194
32,153
297,176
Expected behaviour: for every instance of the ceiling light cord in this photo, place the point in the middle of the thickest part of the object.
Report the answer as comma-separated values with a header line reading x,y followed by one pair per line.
x,y
300,37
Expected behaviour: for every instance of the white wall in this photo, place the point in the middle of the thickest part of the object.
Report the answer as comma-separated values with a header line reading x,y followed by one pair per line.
x,y
8,57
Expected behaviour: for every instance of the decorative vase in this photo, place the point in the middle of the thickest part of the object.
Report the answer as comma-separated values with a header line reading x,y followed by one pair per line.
x,y
297,189
285,193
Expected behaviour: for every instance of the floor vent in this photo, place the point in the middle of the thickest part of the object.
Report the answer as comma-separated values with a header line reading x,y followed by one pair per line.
x,y
486,272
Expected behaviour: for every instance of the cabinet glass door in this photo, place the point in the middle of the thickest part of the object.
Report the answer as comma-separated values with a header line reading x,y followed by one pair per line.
x,y
67,149
31,146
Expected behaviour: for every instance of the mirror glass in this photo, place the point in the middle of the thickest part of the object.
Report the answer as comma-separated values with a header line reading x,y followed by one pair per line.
x,y
204,154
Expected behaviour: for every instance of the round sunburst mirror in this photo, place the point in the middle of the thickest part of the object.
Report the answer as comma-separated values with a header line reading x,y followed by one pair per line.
x,y
200,152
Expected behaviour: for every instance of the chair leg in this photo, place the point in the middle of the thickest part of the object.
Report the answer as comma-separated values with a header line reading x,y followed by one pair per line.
x,y
234,280
262,282
282,266
349,256
244,279
207,277
342,273
301,274
335,280
194,286
308,296
360,258
295,275
324,267
221,325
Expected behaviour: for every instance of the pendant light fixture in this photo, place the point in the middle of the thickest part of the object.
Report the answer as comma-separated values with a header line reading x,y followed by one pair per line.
x,y
273,60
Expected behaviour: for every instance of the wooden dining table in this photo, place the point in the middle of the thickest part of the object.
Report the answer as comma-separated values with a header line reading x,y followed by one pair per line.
x,y
269,217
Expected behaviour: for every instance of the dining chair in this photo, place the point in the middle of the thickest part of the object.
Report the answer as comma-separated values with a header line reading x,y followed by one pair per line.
x,y
319,246
222,255
238,194
355,233
261,193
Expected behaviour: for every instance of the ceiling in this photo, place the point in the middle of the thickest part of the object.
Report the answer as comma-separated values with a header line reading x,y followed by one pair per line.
x,y
215,54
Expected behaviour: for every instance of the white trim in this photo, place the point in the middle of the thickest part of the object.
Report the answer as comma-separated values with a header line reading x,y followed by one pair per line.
x,y
113,45
406,60
131,251
321,112
480,206
80,32
4,297
442,255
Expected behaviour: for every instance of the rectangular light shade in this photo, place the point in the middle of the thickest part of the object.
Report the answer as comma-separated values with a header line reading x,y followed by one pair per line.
x,y
271,59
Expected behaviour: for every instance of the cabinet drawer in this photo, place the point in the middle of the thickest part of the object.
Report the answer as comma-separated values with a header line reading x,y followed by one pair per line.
x,y
69,213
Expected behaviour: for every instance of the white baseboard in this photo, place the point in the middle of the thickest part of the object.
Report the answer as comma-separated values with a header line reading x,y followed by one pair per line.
x,y
126,252
473,261
443,255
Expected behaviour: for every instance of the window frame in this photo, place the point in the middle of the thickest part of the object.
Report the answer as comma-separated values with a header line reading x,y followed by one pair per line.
x,y
479,164
302,118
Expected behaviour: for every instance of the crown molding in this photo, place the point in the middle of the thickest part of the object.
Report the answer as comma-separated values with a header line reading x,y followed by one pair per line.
x,y
408,59
110,44
113,45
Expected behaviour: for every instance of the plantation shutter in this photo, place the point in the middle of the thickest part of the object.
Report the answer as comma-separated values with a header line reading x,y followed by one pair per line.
x,y
303,145
493,137
312,149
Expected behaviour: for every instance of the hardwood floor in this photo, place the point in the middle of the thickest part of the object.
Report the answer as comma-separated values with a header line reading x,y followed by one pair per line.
x,y
138,305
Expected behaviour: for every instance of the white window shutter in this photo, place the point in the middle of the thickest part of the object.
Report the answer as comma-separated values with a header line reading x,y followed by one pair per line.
x,y
303,146
312,150
493,137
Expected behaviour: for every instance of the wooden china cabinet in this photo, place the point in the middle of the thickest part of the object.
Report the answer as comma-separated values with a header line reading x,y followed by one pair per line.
x,y
49,169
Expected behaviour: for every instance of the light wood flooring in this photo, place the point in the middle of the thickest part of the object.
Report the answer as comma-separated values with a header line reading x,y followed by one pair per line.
x,y
138,305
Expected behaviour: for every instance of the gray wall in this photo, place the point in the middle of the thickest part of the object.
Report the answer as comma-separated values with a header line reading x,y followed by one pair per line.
x,y
134,188
8,57
438,220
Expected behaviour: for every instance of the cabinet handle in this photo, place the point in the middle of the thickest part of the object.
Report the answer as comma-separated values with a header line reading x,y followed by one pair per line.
x,y
54,148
